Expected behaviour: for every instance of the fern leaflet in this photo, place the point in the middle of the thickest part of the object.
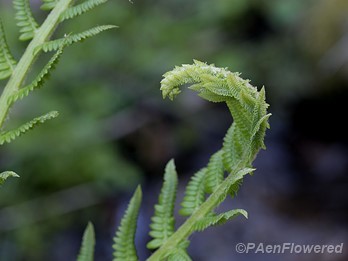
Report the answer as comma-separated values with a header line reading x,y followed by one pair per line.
x,y
215,172
179,255
7,62
48,4
88,242
194,194
39,80
7,174
162,226
74,38
26,21
81,8
124,239
220,219
8,136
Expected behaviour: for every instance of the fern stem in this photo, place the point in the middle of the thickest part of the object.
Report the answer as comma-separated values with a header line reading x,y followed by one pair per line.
x,y
188,226
22,68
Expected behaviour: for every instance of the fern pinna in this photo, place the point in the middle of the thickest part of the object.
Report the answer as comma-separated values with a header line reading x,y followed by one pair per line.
x,y
39,37
212,184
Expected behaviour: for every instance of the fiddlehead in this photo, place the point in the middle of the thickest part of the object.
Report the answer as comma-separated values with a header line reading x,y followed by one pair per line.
x,y
209,186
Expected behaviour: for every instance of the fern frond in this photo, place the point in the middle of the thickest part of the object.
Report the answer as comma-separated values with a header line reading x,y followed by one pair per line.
x,y
81,8
8,136
7,174
74,38
124,239
88,242
39,80
194,194
162,226
7,62
220,219
237,180
215,172
48,4
25,18
241,144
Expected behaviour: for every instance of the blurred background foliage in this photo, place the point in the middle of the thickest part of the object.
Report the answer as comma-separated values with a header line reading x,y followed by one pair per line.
x,y
115,131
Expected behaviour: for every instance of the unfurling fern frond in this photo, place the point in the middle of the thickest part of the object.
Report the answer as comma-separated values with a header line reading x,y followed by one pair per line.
x,y
246,104
88,242
7,174
220,219
7,62
8,136
194,194
124,239
39,80
162,226
74,38
25,18
48,4
81,8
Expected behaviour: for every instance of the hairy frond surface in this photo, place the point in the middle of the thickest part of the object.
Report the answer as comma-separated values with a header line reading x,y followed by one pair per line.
x,y
25,20
8,136
7,62
39,80
74,38
162,226
81,8
124,239
194,194
220,219
88,242
7,174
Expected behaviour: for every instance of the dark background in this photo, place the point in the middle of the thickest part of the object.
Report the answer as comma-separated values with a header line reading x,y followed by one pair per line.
x,y
115,131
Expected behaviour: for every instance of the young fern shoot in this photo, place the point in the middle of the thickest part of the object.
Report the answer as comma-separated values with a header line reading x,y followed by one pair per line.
x,y
211,185
39,37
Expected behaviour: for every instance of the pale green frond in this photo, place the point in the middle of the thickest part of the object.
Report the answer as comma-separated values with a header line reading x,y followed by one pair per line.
x,y
25,19
74,38
8,136
88,242
215,172
162,225
7,62
124,247
48,4
7,174
80,9
39,80
220,219
194,194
